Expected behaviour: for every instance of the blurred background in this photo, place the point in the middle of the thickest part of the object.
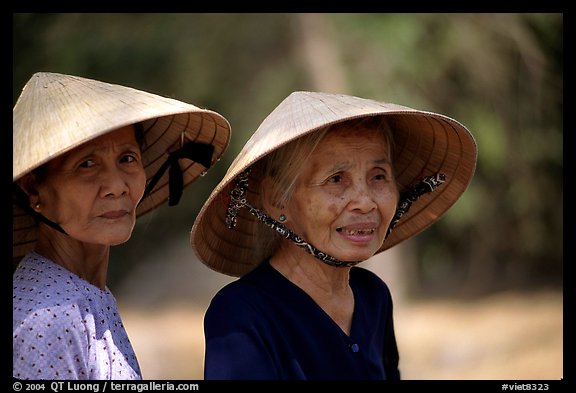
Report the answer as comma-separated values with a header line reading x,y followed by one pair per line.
x,y
479,295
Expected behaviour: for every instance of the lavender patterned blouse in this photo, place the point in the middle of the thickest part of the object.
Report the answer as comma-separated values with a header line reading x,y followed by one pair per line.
x,y
66,328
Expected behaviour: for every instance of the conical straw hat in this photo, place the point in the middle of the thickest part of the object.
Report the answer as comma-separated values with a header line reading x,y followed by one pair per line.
x,y
425,144
56,113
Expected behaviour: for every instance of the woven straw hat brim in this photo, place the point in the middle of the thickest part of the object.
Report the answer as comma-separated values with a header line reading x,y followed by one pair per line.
x,y
425,144
56,113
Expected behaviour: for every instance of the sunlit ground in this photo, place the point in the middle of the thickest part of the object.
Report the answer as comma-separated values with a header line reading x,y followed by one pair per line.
x,y
510,335
507,336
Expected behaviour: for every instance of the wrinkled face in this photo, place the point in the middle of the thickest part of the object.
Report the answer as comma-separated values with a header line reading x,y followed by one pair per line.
x,y
346,195
92,191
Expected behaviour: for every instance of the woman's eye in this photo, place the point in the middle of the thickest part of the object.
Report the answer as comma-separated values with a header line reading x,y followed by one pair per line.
x,y
382,175
87,164
128,158
335,179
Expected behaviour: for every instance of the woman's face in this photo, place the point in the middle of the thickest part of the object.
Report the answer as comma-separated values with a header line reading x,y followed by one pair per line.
x,y
346,195
92,191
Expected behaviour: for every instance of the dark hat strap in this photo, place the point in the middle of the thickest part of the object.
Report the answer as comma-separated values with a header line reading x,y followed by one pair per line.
x,y
238,200
20,198
424,186
198,152
288,234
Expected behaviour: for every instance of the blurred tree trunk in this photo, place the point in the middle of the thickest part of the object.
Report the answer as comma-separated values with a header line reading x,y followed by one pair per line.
x,y
318,49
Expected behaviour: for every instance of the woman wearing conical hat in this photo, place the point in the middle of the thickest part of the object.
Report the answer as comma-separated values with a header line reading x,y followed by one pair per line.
x,y
326,182
88,158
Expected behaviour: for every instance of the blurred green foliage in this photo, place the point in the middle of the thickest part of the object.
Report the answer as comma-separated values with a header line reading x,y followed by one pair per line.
x,y
501,75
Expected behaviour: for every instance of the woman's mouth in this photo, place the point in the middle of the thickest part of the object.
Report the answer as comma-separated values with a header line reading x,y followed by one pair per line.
x,y
112,215
356,231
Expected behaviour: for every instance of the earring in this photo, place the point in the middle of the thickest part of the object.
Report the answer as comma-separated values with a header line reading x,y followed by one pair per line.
x,y
282,218
37,206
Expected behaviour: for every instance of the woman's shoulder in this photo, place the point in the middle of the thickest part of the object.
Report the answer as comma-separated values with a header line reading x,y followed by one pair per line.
x,y
242,290
368,280
36,275
361,273
248,294
40,284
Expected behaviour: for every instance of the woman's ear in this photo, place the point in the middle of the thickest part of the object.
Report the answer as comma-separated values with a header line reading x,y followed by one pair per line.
x,y
269,201
28,184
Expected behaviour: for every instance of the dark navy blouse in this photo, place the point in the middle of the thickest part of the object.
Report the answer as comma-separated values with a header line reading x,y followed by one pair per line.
x,y
262,326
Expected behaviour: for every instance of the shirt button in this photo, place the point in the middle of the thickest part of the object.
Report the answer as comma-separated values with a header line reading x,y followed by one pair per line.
x,y
355,348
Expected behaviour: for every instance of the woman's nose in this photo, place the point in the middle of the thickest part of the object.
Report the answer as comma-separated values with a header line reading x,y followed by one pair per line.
x,y
113,182
362,198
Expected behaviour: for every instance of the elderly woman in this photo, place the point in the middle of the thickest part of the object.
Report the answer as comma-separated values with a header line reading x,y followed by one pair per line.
x,y
326,182
89,157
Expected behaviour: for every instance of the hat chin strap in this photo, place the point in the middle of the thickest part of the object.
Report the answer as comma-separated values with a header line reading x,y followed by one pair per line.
x,y
21,199
194,151
288,234
238,200
424,186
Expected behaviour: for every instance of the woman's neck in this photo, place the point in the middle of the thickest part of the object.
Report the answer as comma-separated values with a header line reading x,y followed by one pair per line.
x,y
327,285
87,261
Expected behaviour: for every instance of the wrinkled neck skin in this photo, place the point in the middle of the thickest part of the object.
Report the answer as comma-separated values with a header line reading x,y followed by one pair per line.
x,y
87,261
327,285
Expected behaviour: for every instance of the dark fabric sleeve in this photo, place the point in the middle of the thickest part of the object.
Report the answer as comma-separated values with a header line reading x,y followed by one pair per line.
x,y
391,356
235,346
